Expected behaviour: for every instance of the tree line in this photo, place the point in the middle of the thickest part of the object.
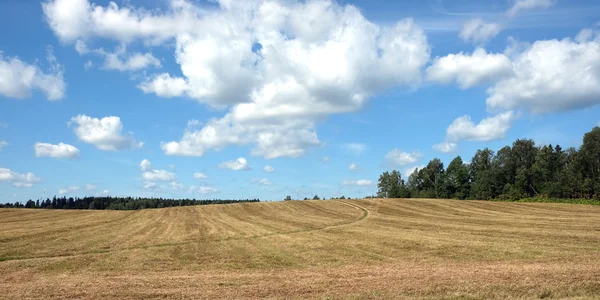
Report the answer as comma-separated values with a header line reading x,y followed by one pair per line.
x,y
515,172
115,203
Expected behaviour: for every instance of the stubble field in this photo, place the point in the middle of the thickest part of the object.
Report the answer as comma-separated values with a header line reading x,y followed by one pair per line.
x,y
342,249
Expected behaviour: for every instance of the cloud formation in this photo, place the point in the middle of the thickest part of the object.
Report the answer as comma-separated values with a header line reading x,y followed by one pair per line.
x,y
401,158
477,31
68,190
18,79
360,182
492,128
17,179
239,164
61,150
520,6
469,70
106,133
276,75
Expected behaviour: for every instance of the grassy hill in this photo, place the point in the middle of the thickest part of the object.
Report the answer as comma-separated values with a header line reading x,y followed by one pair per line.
x,y
354,249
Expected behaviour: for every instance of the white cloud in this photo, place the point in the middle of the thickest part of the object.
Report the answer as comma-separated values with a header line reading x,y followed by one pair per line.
x,y
81,47
17,179
105,192
268,169
445,147
479,32
176,186
148,185
68,190
470,70
401,158
355,148
88,64
524,5
316,58
149,175
158,175
164,85
3,144
145,165
488,129
203,189
261,181
90,187
410,171
61,150
353,167
18,79
325,158
199,175
360,182
105,134
235,165
77,19
551,76
130,62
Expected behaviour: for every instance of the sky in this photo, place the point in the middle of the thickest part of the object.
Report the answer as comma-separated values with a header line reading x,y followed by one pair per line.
x,y
262,99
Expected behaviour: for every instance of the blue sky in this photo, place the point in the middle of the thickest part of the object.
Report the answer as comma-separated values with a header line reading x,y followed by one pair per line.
x,y
336,93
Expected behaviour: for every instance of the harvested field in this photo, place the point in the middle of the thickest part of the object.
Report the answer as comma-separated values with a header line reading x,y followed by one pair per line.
x,y
342,249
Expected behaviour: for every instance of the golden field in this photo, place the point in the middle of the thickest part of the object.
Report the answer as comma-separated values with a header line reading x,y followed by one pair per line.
x,y
336,249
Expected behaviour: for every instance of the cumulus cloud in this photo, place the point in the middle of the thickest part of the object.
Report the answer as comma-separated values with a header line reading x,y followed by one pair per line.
x,y
268,169
261,181
520,6
176,186
68,190
78,19
145,165
353,167
158,175
61,150
360,182
478,32
90,187
3,144
275,73
106,133
105,192
401,158
411,170
150,186
492,128
132,62
18,79
235,165
199,175
470,70
551,76
17,179
164,85
149,175
203,189
445,147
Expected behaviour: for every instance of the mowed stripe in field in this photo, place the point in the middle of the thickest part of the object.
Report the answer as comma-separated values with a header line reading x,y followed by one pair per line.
x,y
374,248
73,232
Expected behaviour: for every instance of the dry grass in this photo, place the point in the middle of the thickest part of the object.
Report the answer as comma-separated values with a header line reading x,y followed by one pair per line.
x,y
372,249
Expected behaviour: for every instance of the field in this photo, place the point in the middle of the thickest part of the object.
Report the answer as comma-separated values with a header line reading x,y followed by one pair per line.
x,y
350,249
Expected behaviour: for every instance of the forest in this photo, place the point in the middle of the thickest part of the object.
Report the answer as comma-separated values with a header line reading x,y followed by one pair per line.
x,y
515,172
115,203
